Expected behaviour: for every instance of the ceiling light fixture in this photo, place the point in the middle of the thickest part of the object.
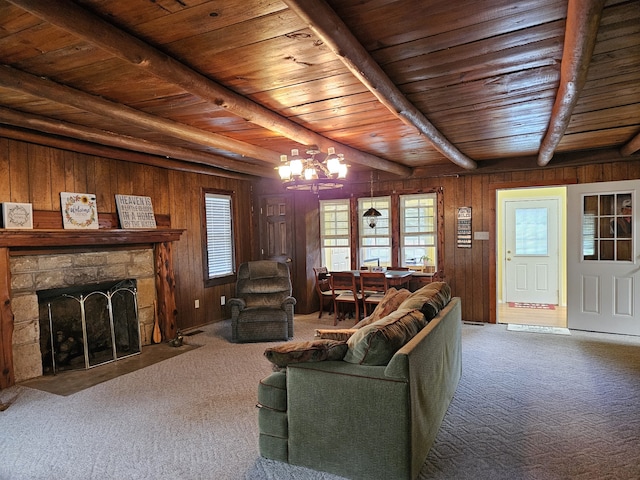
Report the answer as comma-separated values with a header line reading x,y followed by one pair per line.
x,y
313,172
372,214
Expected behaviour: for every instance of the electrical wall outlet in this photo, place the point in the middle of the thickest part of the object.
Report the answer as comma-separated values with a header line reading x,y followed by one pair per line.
x,y
223,300
197,303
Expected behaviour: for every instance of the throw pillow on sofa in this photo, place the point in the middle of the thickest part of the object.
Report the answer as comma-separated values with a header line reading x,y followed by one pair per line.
x,y
300,352
376,343
431,298
389,303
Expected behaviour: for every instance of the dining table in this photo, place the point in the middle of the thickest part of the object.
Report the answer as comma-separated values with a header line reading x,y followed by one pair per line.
x,y
395,278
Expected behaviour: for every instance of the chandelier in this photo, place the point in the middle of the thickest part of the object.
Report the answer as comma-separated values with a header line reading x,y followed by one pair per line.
x,y
313,172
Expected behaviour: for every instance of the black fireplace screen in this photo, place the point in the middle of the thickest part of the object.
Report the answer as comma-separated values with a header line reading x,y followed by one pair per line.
x,y
86,326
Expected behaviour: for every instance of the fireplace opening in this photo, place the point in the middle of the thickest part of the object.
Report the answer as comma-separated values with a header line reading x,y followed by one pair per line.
x,y
88,325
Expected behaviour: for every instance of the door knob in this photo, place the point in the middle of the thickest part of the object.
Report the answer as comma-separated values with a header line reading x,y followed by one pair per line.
x,y
508,259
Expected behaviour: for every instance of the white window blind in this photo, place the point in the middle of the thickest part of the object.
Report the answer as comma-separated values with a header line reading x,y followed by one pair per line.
x,y
220,254
335,234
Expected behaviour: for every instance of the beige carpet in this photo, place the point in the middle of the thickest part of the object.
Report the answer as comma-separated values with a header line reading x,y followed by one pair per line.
x,y
530,407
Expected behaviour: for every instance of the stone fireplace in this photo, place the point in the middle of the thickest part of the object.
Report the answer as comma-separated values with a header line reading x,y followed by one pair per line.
x,y
33,273
40,259
85,326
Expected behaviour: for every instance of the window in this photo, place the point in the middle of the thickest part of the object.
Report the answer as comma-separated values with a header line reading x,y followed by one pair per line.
x,y
375,243
405,235
219,241
418,230
335,234
607,227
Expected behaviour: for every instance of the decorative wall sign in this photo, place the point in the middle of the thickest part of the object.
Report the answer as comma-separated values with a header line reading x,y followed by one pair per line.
x,y
464,227
79,210
17,215
135,211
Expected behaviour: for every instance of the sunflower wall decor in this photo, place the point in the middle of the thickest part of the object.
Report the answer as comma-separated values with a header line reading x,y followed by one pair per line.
x,y
79,210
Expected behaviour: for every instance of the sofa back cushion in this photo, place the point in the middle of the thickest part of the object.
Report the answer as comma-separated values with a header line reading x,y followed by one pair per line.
x,y
389,303
376,343
430,299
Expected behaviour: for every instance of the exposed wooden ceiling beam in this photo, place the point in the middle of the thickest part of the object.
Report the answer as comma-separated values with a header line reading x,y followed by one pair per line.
x,y
336,35
74,19
583,20
42,88
631,147
94,135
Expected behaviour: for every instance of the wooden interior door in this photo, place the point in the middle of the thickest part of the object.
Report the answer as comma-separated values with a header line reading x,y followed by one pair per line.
x,y
276,232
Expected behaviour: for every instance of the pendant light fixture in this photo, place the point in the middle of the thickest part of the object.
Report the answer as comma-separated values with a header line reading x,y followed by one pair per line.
x,y
372,214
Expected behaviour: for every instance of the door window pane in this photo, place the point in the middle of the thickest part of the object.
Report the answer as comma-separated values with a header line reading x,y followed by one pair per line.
x,y
532,231
607,231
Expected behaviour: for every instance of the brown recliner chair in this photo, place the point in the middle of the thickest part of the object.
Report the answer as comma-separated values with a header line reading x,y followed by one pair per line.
x,y
263,308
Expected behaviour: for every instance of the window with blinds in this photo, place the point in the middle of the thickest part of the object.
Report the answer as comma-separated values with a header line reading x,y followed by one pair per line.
x,y
219,235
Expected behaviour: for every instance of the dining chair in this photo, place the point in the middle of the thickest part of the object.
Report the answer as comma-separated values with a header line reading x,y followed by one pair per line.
x,y
345,291
373,286
323,289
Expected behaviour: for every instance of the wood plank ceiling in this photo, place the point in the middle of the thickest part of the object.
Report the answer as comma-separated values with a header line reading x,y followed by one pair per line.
x,y
400,86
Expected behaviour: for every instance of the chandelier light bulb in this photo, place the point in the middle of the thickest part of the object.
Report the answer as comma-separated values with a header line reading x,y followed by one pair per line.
x,y
285,172
333,165
309,173
296,166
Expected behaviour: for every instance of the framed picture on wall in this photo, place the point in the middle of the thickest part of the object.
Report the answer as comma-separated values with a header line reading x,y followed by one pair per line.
x,y
17,215
79,210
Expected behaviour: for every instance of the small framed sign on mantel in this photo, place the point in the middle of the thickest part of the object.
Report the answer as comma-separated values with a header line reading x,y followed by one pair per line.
x,y
79,210
135,212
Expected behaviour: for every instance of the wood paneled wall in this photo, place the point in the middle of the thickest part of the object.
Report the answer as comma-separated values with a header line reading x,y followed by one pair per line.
x,y
469,271
37,174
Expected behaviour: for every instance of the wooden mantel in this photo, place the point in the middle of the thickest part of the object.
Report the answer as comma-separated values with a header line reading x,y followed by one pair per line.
x,y
24,239
25,242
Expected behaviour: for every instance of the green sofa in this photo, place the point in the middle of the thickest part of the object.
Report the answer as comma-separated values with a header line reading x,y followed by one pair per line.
x,y
365,421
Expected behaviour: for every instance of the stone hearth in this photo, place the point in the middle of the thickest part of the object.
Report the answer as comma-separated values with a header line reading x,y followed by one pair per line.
x,y
31,273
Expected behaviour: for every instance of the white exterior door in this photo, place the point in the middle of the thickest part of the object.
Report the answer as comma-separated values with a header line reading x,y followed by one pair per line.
x,y
603,271
531,250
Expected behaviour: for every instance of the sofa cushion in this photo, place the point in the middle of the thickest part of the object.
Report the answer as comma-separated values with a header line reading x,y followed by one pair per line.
x,y
376,343
311,351
389,303
430,299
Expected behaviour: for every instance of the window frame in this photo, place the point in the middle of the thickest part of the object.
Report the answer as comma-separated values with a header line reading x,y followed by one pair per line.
x,y
394,223
323,236
377,234
226,277
402,246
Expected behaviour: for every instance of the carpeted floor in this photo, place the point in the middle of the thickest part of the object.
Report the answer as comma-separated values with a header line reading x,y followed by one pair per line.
x,y
529,406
